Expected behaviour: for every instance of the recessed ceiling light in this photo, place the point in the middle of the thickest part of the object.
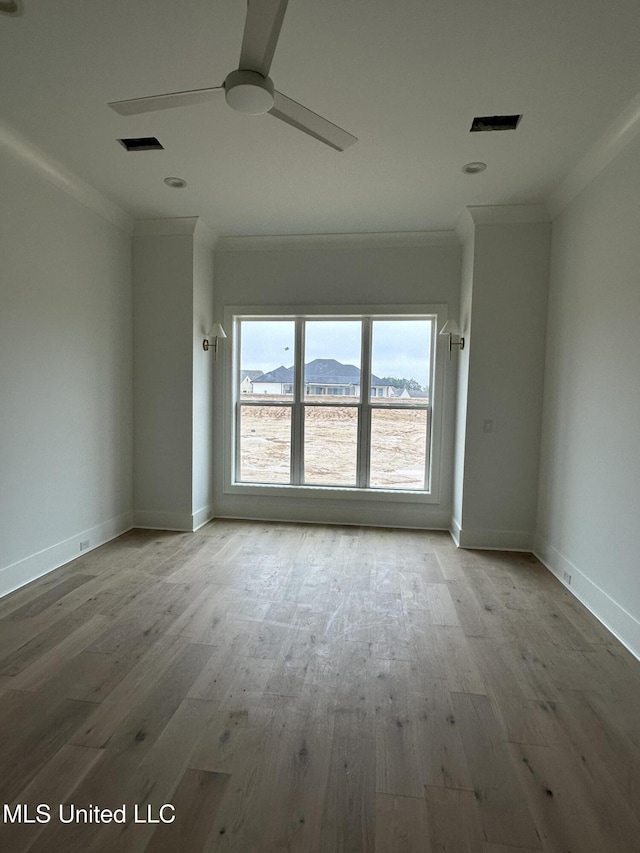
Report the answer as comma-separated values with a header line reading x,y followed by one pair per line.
x,y
474,168
175,183
11,7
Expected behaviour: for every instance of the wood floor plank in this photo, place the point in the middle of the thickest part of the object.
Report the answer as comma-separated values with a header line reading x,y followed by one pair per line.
x,y
50,787
440,750
27,745
453,821
41,642
349,808
455,660
286,794
142,682
231,680
318,689
503,811
50,596
401,824
571,811
605,750
398,766
196,801
54,659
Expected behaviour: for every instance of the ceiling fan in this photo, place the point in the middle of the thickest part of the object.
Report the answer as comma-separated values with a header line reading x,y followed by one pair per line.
x,y
249,89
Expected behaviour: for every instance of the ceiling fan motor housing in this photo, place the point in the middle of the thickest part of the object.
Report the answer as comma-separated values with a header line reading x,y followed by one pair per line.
x,y
249,92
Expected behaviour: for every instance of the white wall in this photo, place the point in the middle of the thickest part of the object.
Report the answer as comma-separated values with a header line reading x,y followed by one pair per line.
x,y
505,376
65,376
589,497
203,363
467,237
335,271
163,379
173,293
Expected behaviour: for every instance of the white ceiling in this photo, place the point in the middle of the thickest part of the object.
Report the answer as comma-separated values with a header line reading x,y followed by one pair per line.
x,y
405,76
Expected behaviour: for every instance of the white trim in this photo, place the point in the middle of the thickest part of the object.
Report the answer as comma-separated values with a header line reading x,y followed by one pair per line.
x,y
622,130
508,214
180,226
455,530
201,517
391,310
316,512
369,495
394,239
622,624
330,493
491,540
153,520
57,174
165,227
36,565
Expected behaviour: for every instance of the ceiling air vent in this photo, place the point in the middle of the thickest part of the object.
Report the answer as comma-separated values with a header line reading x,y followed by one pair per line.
x,y
484,123
144,143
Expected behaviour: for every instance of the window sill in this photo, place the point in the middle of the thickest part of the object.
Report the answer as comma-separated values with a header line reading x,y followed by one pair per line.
x,y
331,493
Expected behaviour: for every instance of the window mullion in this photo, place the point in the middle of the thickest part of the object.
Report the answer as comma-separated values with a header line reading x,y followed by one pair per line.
x,y
364,420
297,424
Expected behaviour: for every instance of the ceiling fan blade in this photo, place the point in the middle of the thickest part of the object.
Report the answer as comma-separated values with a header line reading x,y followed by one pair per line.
x,y
261,31
308,122
165,102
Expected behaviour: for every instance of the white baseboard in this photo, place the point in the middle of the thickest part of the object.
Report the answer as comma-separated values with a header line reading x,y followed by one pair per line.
x,y
340,523
180,521
412,516
201,517
491,540
613,616
28,569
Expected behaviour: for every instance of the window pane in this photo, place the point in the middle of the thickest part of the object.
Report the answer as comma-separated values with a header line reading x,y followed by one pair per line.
x,y
330,445
401,361
265,444
398,448
266,359
332,360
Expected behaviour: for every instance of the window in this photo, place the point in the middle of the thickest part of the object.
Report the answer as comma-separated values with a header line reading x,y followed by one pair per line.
x,y
334,402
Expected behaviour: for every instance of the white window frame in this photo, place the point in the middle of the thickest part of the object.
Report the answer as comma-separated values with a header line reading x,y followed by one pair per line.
x,y
230,358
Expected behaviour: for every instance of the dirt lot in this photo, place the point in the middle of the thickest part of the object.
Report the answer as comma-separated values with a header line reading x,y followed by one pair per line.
x,y
398,445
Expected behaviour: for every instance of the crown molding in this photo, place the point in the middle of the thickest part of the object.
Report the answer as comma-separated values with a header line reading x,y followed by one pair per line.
x,y
508,214
189,226
183,225
615,138
55,173
370,240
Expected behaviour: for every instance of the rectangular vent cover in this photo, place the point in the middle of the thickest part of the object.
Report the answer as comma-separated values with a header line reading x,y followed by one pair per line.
x,y
144,143
485,123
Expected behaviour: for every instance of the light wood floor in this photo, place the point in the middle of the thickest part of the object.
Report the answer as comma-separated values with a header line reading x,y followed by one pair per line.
x,y
308,688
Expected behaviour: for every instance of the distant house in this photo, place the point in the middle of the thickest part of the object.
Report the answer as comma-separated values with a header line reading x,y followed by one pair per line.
x,y
278,381
410,393
246,380
322,377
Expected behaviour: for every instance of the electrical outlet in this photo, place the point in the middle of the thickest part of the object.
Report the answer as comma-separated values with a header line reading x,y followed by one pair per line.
x,y
85,544
566,577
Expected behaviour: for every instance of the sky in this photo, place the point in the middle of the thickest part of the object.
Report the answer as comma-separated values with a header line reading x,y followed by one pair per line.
x,y
401,348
